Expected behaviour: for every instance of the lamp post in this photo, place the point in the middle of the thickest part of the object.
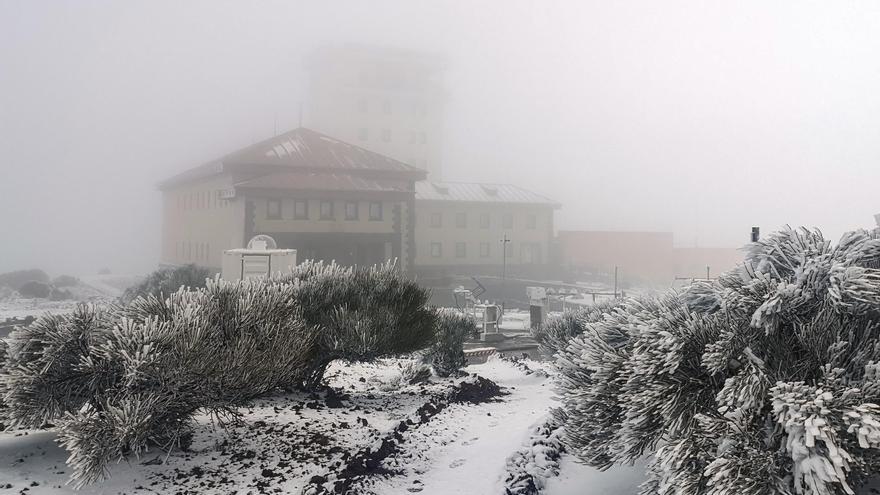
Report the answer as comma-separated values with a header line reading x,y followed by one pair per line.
x,y
504,240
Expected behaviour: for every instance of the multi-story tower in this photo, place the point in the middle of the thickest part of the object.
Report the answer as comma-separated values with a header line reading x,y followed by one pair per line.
x,y
385,100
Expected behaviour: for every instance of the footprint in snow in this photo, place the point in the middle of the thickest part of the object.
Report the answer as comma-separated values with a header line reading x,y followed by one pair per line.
x,y
468,442
457,463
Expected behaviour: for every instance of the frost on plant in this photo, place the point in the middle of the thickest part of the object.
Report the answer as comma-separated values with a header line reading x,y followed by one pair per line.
x,y
763,381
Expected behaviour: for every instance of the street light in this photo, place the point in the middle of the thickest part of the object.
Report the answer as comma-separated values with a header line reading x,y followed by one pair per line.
x,y
504,242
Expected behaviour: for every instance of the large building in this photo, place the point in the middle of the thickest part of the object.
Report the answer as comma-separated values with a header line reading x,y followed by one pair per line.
x,y
461,227
327,199
385,100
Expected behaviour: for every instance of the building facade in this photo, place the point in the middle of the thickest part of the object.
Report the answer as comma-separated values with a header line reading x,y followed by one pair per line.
x,y
463,226
641,257
327,199
385,100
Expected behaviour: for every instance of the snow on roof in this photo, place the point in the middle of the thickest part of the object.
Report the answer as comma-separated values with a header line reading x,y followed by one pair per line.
x,y
479,193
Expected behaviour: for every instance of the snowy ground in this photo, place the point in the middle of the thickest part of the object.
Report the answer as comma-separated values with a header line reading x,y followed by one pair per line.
x,y
94,288
287,441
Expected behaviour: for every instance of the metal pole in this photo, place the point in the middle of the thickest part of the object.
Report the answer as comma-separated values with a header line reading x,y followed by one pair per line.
x,y
504,242
615,282
707,273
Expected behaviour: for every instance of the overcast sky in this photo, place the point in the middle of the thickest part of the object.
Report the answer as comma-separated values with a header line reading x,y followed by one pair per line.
x,y
703,118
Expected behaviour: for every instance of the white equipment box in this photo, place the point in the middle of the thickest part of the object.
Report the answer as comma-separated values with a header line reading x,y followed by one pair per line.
x,y
259,259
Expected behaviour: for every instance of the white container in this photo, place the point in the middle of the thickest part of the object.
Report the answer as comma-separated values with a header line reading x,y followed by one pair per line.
x,y
245,263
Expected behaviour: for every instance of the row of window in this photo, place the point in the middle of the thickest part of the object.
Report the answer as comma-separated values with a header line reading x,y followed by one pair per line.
x,y
417,108
415,137
325,210
530,252
199,200
192,251
484,222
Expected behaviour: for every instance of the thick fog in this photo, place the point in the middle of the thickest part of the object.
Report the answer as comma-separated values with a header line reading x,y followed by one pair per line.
x,y
702,118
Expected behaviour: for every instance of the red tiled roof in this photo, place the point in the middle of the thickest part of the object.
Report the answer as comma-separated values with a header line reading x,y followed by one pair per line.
x,y
302,150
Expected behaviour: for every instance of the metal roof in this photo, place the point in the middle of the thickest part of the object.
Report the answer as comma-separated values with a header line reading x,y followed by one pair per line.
x,y
479,193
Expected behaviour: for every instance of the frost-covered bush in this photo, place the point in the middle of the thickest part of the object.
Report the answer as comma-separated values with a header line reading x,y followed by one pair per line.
x,y
165,281
117,380
33,289
65,281
359,313
16,279
764,381
555,333
412,371
529,468
447,352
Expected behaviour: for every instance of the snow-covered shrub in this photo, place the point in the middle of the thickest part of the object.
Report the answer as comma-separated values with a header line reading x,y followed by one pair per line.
x,y
116,381
359,313
65,281
529,468
33,289
16,279
50,370
447,352
165,281
555,333
412,371
764,381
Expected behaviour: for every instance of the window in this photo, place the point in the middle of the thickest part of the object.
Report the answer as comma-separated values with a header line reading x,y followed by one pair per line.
x,y
436,250
386,135
375,210
507,221
326,210
386,107
273,209
531,221
351,210
363,134
436,219
460,250
461,220
300,209
362,105
484,249
484,221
